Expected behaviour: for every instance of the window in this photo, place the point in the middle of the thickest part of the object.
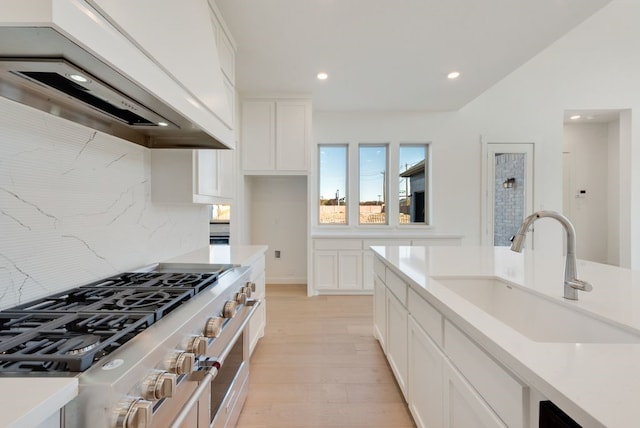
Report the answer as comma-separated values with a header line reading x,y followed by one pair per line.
x,y
413,191
333,184
391,186
373,184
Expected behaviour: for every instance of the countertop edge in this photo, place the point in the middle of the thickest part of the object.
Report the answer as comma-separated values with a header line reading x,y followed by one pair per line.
x,y
48,395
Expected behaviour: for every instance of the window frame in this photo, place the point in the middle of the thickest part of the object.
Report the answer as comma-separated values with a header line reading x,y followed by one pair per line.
x,y
352,192
347,147
427,189
385,181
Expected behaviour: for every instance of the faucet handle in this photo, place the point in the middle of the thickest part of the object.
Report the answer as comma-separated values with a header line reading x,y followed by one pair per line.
x,y
579,284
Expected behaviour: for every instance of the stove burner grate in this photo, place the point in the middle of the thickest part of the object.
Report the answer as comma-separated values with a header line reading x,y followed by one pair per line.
x,y
195,281
68,331
66,342
84,299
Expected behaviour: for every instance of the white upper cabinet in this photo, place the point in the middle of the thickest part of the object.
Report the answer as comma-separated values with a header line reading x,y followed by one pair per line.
x,y
258,135
275,136
192,176
182,38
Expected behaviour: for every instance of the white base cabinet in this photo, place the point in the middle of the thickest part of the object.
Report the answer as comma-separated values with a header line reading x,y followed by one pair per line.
x,y
259,320
448,380
463,406
396,345
337,266
380,312
425,383
345,265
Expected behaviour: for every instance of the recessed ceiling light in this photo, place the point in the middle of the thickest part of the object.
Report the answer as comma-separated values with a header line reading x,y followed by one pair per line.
x,y
322,76
163,124
453,75
575,117
78,78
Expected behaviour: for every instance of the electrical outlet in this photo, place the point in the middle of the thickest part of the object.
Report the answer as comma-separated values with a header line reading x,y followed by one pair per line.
x,y
277,254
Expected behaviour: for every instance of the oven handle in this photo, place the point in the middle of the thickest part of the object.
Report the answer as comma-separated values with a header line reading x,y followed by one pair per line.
x,y
205,382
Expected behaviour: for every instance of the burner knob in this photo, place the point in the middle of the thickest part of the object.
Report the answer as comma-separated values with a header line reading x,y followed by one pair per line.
x,y
229,309
252,285
137,414
241,298
160,386
199,345
213,327
183,363
246,290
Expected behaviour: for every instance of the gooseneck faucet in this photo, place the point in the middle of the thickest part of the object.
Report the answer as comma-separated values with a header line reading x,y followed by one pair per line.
x,y
571,282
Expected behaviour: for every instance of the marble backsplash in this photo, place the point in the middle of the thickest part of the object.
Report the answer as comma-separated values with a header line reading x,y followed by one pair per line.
x,y
75,207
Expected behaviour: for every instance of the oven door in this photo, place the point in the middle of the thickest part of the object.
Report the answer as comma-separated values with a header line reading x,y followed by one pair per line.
x,y
218,240
220,387
219,233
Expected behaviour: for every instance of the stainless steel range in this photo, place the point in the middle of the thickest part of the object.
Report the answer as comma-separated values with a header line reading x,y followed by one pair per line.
x,y
165,347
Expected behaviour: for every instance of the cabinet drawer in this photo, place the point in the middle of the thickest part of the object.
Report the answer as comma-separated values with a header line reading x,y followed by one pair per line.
x,y
397,286
379,269
506,395
426,316
337,244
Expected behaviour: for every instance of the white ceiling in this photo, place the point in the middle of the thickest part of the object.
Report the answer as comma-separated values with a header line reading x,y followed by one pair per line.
x,y
391,54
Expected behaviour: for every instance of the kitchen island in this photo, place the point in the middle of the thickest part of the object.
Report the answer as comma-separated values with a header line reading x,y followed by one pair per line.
x,y
453,357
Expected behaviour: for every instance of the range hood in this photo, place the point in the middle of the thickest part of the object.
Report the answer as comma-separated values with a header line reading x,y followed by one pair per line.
x,y
63,58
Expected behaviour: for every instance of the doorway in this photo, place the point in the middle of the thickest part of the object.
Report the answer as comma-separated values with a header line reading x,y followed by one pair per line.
x,y
509,191
592,182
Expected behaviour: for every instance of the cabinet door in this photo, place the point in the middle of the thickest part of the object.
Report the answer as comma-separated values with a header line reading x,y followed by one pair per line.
x,y
325,267
214,174
293,134
424,379
226,173
380,311
258,136
397,340
207,173
367,270
350,270
463,406
259,320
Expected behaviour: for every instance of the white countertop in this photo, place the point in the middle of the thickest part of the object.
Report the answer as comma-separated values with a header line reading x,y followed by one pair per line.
x,y
597,384
240,255
27,402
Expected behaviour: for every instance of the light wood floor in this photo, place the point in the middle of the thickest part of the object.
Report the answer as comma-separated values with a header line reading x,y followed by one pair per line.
x,y
320,366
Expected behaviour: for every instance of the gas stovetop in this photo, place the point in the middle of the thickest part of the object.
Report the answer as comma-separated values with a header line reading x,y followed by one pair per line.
x,y
69,331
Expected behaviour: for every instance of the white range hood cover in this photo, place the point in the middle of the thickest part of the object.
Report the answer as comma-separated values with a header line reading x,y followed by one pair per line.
x,y
74,31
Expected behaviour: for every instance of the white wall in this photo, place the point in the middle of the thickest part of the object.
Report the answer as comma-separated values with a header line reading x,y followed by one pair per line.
x,y
75,207
447,154
278,213
595,66
588,147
